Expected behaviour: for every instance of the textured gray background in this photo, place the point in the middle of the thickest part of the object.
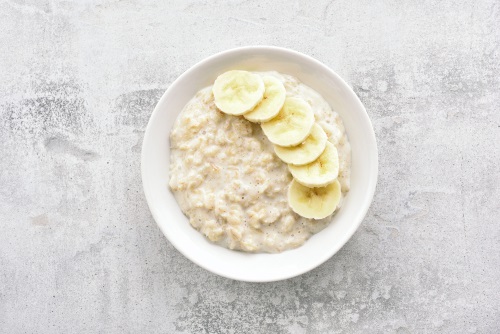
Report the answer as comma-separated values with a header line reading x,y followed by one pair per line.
x,y
79,250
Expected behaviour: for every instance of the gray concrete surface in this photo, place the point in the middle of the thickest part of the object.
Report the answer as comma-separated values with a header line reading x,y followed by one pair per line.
x,y
79,250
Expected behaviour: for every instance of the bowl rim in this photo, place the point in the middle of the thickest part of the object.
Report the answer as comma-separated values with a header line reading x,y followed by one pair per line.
x,y
370,188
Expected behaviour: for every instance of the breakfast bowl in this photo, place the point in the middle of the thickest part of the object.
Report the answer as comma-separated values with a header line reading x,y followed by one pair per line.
x,y
259,267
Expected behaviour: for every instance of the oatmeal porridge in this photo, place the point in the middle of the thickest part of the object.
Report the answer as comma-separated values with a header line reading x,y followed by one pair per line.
x,y
259,187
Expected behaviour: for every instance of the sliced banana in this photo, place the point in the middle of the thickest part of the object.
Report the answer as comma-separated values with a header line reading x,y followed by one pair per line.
x,y
237,92
273,100
292,125
307,151
316,203
320,172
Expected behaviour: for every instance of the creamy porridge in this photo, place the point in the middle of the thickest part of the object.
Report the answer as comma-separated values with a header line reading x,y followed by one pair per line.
x,y
231,184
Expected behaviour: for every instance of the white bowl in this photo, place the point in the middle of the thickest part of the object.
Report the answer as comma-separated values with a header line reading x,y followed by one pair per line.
x,y
239,265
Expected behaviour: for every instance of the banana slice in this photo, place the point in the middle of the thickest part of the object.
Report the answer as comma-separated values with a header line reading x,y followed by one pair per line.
x,y
320,172
316,203
273,100
237,92
306,152
292,124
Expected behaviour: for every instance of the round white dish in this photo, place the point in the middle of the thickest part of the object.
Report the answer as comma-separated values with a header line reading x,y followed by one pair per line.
x,y
237,265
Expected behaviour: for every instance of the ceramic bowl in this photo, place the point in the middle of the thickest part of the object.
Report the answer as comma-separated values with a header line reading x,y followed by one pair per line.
x,y
235,264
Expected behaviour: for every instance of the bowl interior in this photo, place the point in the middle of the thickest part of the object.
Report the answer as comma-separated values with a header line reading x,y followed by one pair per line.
x,y
239,265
